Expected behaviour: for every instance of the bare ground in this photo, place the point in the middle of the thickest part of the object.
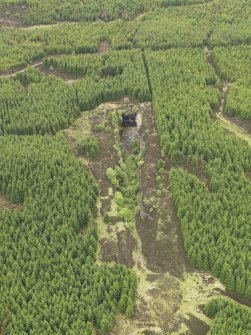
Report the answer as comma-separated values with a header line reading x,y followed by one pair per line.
x,y
5,203
12,15
243,124
170,293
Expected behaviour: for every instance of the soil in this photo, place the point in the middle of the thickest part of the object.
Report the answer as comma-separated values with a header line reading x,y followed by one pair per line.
x,y
171,294
196,326
154,247
224,92
4,203
120,250
158,224
19,69
245,125
12,15
104,46
67,77
237,297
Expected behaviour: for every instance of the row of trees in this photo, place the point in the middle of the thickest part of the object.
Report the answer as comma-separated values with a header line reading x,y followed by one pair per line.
x,y
172,27
49,282
215,224
229,317
89,10
233,63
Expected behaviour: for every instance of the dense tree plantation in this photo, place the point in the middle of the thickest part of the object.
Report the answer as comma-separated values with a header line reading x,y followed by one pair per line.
x,y
34,103
49,281
229,317
109,76
51,11
45,106
230,23
28,45
215,224
158,29
173,27
233,64
185,57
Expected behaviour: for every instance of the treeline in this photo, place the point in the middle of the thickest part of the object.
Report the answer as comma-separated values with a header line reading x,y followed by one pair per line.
x,y
229,317
34,103
233,64
49,282
215,224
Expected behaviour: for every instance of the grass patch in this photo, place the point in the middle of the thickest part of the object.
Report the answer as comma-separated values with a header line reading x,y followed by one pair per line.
x,y
228,125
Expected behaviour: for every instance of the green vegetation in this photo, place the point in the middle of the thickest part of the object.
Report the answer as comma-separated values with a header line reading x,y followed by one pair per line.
x,y
28,45
233,64
90,10
49,281
89,146
33,103
215,224
124,176
229,317
239,100
173,27
219,23
109,76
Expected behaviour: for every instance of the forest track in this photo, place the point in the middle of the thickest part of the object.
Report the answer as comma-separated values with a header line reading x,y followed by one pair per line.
x,y
23,69
241,128
104,47
223,100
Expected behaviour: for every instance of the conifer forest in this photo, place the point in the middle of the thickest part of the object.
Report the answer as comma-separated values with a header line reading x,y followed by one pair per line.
x,y
125,167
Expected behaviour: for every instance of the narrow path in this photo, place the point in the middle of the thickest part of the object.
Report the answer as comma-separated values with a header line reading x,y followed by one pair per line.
x,y
220,115
12,73
104,47
223,101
